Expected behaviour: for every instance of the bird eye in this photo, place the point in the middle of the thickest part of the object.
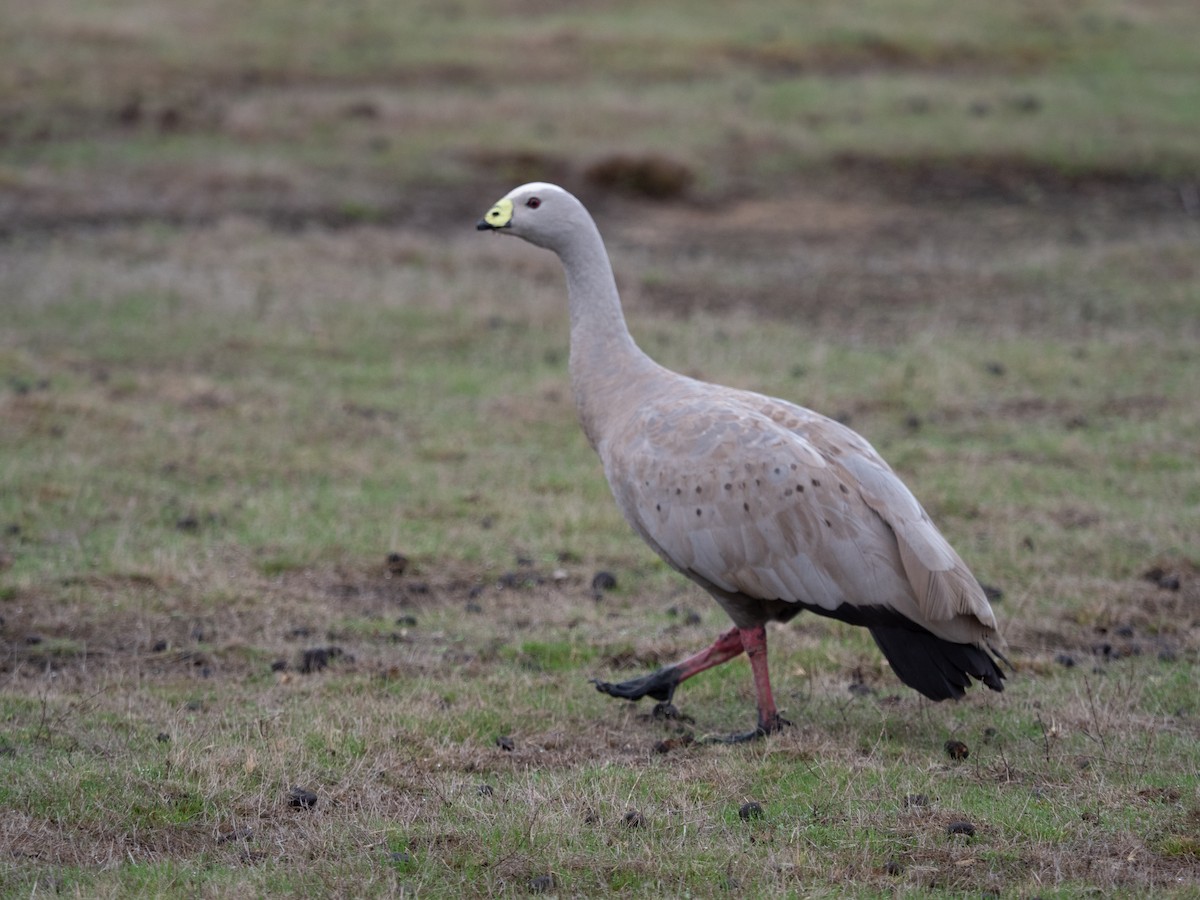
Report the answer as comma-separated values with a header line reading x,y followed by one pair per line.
x,y
533,202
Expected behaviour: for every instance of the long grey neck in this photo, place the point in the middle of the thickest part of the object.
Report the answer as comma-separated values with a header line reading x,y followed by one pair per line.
x,y
605,362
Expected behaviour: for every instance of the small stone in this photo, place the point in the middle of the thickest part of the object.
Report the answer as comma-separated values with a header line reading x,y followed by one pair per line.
x,y
957,750
505,743
300,798
750,810
963,828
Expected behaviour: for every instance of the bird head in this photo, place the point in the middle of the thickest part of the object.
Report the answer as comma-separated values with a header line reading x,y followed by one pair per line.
x,y
538,212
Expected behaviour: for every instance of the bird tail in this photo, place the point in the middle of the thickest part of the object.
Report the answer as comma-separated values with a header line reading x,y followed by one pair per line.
x,y
938,668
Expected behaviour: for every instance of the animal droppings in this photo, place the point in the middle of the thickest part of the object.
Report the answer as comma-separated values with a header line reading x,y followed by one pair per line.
x,y
316,659
603,581
300,798
961,828
541,884
957,750
751,810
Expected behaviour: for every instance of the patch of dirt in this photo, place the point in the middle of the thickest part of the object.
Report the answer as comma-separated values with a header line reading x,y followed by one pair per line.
x,y
1155,615
876,53
1010,180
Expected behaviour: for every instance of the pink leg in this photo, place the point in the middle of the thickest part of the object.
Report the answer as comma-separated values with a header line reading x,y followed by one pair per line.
x,y
661,684
723,649
754,641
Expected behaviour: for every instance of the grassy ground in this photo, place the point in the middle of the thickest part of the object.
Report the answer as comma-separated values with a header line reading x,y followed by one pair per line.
x,y
251,346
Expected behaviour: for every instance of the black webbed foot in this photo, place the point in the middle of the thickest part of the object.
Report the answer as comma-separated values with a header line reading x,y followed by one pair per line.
x,y
658,685
770,726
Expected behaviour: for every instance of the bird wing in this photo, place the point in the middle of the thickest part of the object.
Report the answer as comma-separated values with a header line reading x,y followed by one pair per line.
x,y
772,501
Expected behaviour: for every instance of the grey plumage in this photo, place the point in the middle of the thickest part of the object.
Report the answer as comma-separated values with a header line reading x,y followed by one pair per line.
x,y
769,506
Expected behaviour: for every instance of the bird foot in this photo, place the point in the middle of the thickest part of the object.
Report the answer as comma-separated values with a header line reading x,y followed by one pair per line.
x,y
658,685
765,727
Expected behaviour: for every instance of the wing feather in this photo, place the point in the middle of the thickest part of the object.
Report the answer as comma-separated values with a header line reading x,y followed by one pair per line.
x,y
771,501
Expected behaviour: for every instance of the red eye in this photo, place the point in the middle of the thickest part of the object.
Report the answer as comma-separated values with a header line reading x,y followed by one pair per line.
x,y
533,202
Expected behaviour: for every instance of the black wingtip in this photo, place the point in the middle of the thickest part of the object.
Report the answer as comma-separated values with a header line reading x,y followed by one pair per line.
x,y
937,668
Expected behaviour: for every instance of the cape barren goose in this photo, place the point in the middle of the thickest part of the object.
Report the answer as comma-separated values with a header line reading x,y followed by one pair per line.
x,y
770,507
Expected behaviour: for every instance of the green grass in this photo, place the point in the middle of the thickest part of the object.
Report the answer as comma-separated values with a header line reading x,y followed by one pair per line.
x,y
251,345
198,471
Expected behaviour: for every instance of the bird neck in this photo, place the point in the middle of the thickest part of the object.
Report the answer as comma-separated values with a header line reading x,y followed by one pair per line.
x,y
605,362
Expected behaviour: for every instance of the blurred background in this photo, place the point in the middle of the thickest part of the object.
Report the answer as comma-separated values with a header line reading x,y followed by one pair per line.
x,y
371,111
292,493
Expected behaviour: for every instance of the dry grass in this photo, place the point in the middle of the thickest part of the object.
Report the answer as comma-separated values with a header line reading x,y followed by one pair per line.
x,y
251,346
213,490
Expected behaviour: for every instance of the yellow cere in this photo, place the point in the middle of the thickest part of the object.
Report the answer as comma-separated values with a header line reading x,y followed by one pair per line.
x,y
500,214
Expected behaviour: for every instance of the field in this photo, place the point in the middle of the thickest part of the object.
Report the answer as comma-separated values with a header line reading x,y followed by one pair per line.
x,y
305,565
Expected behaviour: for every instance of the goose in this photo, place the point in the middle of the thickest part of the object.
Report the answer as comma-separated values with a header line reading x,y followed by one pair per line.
x,y
771,508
